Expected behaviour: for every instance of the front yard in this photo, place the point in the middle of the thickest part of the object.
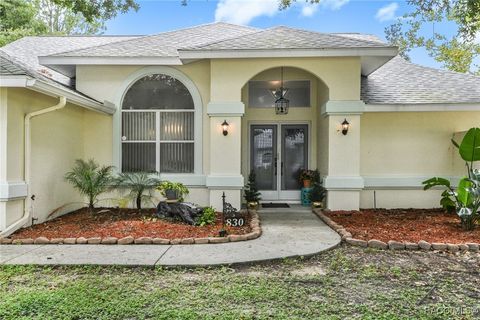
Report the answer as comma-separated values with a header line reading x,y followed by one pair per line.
x,y
347,282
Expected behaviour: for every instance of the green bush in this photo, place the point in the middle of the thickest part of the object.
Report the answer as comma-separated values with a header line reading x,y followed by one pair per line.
x,y
140,185
178,187
208,217
90,179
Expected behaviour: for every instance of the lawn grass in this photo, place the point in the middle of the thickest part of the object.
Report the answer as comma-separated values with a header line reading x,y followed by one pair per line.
x,y
343,283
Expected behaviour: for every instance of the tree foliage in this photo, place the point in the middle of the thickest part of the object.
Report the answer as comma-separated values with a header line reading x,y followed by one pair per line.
x,y
18,19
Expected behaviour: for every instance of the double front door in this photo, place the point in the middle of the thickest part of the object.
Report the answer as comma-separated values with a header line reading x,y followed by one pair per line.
x,y
277,153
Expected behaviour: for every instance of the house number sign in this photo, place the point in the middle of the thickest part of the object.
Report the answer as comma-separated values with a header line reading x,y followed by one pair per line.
x,y
235,221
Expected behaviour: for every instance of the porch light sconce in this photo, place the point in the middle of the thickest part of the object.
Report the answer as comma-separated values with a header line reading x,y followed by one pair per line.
x,y
225,127
345,127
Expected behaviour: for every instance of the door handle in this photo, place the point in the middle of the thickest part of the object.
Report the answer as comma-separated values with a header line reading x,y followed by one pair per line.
x,y
281,169
275,165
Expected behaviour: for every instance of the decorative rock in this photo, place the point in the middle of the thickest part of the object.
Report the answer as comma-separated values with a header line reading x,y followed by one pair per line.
x,y
56,240
424,245
473,247
41,240
201,240
377,244
17,241
143,240
109,240
452,247
395,245
175,241
463,247
188,241
160,241
5,241
439,246
82,240
26,241
236,237
218,239
257,233
126,240
94,240
70,240
251,236
411,246
357,242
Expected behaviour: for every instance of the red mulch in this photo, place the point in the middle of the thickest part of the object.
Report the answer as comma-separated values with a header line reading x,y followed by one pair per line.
x,y
120,223
412,225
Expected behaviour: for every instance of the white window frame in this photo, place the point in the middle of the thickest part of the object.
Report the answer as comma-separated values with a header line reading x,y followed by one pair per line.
x,y
192,179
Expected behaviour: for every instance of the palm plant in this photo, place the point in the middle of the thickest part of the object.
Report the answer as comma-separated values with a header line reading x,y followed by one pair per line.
x,y
138,183
90,179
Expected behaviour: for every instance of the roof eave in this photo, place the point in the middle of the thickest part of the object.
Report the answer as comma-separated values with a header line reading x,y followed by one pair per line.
x,y
423,107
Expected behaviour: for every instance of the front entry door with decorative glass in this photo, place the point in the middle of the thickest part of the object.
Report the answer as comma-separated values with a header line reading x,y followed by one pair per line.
x,y
277,153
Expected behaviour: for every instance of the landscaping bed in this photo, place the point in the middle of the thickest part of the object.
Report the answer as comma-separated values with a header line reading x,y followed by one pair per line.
x,y
127,226
400,229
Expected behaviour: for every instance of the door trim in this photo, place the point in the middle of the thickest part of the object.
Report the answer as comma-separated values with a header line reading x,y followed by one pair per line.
x,y
292,196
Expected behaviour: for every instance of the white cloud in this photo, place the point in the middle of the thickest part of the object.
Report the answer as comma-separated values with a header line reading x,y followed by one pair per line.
x,y
244,11
387,12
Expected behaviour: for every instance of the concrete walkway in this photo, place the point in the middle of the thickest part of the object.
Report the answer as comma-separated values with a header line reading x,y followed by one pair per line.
x,y
288,232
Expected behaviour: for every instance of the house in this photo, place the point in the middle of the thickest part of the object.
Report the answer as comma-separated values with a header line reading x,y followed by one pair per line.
x,y
157,103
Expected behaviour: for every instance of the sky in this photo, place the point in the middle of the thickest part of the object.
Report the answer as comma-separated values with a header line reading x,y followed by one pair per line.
x,y
363,16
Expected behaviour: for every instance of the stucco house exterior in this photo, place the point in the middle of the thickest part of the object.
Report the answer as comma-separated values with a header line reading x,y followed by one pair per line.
x,y
157,103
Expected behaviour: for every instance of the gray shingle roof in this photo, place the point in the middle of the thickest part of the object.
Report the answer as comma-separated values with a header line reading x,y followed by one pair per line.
x,y
164,44
402,82
289,38
28,49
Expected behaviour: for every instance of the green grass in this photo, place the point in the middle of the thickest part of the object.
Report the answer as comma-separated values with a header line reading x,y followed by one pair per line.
x,y
343,283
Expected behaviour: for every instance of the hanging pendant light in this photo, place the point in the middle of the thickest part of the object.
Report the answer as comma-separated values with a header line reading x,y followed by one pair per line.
x,y
281,103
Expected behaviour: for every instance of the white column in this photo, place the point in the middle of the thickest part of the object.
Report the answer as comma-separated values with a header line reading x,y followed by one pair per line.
x,y
343,182
225,153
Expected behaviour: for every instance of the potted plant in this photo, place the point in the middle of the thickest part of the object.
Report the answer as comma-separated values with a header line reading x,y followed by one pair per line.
x,y
317,195
252,195
308,176
173,190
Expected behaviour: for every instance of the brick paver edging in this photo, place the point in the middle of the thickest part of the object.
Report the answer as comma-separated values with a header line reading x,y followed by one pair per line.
x,y
254,224
394,245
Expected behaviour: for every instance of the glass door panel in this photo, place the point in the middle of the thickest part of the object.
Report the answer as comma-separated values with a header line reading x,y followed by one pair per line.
x,y
264,155
293,154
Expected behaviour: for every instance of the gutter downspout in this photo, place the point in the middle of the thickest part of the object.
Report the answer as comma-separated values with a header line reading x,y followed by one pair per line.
x,y
27,215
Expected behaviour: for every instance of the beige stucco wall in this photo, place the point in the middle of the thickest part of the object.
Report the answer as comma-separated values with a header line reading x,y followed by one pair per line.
x,y
412,146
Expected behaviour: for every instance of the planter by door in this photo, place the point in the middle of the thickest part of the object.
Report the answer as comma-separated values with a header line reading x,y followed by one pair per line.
x,y
277,153
171,194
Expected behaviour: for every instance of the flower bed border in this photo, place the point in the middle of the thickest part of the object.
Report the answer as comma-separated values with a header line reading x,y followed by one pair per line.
x,y
254,225
394,245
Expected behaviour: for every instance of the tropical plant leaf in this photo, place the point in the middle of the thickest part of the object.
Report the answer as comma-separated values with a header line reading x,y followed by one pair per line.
x,y
465,196
436,181
470,146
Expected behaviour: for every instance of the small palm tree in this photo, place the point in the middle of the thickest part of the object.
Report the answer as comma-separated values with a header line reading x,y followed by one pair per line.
x,y
138,183
90,179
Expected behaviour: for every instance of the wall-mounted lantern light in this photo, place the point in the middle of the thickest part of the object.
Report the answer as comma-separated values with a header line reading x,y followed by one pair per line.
x,y
345,127
225,127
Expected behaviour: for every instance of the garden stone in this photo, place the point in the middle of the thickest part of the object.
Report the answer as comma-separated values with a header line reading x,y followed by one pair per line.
x,y
424,245
82,240
5,241
143,240
463,247
439,246
41,240
473,247
218,239
395,245
452,247
56,241
160,241
69,240
126,240
357,242
411,246
26,241
235,238
251,236
201,240
109,240
175,241
94,240
377,244
188,241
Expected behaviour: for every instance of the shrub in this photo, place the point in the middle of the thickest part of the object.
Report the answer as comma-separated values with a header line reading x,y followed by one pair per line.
x,y
140,185
318,192
465,199
208,217
251,190
90,179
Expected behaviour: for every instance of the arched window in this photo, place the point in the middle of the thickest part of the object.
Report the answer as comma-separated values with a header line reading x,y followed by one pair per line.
x,y
158,125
